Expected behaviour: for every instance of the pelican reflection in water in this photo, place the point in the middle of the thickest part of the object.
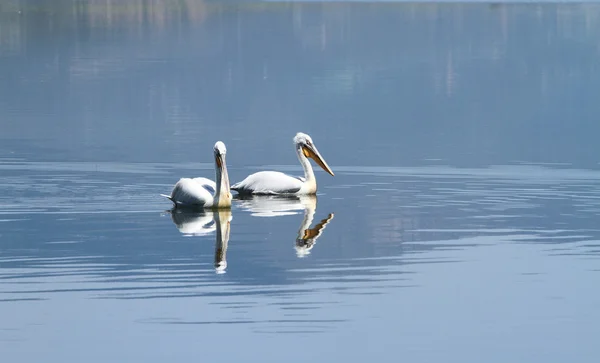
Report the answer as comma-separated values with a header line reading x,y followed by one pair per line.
x,y
277,183
201,223
274,206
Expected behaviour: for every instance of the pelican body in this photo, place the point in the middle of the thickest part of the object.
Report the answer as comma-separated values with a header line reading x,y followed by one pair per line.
x,y
277,183
203,192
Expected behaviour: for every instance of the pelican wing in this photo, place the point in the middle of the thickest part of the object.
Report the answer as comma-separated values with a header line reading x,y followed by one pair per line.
x,y
207,184
193,192
268,182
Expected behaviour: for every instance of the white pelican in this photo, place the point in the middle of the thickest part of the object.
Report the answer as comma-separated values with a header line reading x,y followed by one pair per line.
x,y
273,206
274,182
203,192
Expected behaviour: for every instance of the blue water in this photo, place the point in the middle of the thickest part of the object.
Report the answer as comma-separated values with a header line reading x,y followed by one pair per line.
x,y
461,224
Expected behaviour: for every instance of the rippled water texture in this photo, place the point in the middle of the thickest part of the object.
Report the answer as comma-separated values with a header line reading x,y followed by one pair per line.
x,y
461,224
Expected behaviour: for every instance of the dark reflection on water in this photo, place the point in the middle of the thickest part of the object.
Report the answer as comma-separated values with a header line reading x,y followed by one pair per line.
x,y
461,222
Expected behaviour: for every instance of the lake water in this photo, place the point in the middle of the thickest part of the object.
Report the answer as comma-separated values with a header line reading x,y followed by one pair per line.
x,y
461,224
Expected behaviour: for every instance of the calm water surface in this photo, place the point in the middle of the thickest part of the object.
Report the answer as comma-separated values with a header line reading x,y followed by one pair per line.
x,y
461,224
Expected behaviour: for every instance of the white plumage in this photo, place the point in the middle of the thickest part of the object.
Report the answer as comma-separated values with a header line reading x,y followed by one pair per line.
x,y
193,191
270,182
278,183
203,192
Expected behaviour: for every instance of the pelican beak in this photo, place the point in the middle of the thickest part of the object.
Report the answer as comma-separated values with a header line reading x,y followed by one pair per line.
x,y
219,160
310,151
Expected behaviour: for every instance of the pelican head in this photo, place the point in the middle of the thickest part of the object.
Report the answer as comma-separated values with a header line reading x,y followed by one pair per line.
x,y
306,147
222,195
220,152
